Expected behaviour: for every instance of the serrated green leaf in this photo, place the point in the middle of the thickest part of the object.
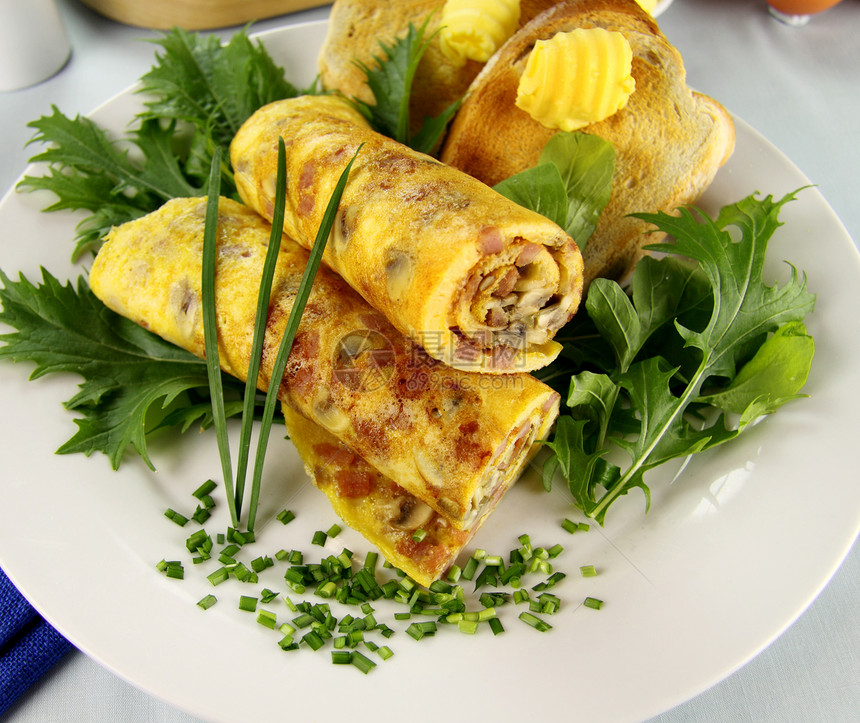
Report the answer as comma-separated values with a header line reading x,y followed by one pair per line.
x,y
745,308
775,375
390,79
711,316
130,376
214,87
88,170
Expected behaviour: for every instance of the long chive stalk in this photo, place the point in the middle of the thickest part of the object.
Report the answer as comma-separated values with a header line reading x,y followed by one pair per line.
x,y
210,331
260,326
290,333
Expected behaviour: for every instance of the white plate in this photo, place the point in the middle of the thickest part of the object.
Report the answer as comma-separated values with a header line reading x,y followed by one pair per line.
x,y
732,552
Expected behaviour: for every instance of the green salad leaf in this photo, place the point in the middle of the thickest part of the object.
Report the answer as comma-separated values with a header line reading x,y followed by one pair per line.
x,y
134,382
213,87
570,185
390,82
88,170
700,335
198,93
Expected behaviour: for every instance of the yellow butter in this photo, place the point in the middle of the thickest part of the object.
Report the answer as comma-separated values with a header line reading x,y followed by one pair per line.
x,y
576,78
648,5
475,29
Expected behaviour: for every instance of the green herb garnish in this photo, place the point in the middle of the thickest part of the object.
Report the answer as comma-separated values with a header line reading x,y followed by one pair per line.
x,y
210,331
570,185
260,320
391,84
706,336
290,330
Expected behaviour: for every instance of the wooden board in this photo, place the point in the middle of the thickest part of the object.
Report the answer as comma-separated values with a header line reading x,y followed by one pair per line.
x,y
195,14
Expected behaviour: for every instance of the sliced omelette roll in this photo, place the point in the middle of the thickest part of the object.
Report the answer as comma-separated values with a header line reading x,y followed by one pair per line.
x,y
455,440
375,506
478,281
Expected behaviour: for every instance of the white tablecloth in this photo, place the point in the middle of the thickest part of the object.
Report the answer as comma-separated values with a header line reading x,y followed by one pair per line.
x,y
798,86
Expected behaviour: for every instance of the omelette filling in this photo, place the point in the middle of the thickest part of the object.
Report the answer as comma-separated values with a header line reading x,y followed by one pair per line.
x,y
516,298
509,460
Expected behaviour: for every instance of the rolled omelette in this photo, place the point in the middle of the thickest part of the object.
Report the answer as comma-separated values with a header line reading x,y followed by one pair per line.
x,y
478,281
384,513
455,440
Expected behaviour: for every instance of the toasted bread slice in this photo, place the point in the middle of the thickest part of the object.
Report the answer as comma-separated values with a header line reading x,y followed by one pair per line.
x,y
356,29
669,141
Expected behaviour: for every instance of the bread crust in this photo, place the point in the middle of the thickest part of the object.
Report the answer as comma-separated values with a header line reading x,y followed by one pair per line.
x,y
669,140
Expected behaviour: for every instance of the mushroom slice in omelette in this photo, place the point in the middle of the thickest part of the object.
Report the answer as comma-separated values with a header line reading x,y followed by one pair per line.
x,y
455,440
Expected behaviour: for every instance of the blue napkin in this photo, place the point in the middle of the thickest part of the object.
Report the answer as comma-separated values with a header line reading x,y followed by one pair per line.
x,y
29,646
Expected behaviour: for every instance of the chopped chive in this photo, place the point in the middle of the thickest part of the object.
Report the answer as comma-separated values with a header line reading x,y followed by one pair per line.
x,y
588,571
470,569
555,551
207,602
201,514
454,573
551,581
496,626
204,490
172,569
287,643
535,622
569,526
385,652
419,535
341,657
286,516
469,627
291,328
247,603
593,602
267,595
313,640
334,530
370,561
219,576
319,538
174,516
261,563
362,662
210,330
267,619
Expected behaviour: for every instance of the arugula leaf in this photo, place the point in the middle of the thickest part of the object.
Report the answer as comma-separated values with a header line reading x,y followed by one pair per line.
x,y
390,81
723,318
134,382
570,185
773,376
